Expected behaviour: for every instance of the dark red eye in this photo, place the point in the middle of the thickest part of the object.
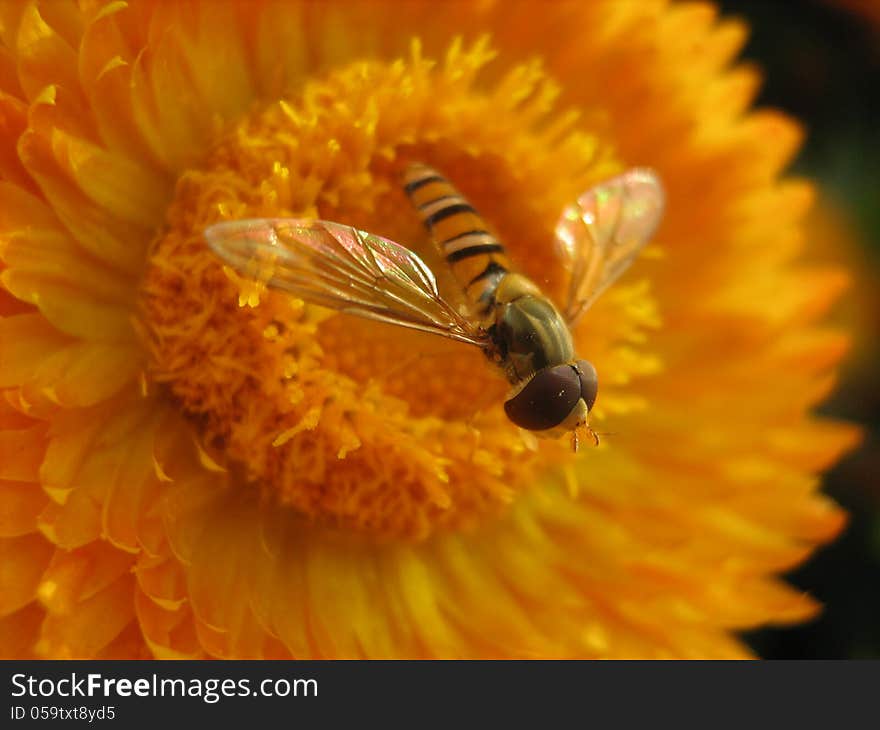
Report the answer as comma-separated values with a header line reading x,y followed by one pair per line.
x,y
546,400
589,382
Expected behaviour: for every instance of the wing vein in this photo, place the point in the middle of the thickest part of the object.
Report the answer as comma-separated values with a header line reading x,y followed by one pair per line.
x,y
342,268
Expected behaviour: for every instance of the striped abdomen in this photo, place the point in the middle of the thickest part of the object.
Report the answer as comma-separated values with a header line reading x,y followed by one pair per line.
x,y
476,257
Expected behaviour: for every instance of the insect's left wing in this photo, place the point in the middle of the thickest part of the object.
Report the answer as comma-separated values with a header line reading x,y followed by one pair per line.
x,y
601,233
340,267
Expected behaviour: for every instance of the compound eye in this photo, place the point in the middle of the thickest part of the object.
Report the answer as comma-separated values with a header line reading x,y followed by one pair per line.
x,y
589,382
546,400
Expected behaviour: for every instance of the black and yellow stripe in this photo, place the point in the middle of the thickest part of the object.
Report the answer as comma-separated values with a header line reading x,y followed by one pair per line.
x,y
476,257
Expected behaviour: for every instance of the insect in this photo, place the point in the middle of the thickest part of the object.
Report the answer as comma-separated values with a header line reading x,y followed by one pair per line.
x,y
506,315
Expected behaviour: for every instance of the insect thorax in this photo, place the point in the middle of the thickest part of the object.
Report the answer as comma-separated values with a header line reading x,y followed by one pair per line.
x,y
530,335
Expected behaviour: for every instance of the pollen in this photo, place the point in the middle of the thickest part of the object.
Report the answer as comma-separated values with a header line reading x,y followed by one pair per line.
x,y
355,424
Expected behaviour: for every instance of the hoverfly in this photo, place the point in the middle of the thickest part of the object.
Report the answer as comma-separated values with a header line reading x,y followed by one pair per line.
x,y
507,316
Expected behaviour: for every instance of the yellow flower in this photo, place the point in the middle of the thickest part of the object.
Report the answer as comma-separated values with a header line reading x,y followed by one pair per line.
x,y
181,476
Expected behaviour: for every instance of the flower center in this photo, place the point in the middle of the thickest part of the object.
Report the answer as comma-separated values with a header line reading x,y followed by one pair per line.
x,y
356,424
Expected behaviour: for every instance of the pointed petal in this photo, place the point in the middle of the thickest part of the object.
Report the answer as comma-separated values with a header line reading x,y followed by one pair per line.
x,y
20,505
22,562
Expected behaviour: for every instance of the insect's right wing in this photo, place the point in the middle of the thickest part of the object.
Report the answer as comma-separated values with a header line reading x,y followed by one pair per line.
x,y
340,267
600,234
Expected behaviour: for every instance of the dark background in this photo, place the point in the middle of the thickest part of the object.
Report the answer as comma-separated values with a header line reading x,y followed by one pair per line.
x,y
821,63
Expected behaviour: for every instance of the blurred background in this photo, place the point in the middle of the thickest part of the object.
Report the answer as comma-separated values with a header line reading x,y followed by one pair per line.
x,y
821,62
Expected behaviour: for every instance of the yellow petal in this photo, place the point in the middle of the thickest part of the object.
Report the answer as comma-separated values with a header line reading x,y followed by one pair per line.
x,y
22,562
128,644
19,631
85,374
282,51
105,60
85,628
13,120
25,340
75,523
72,310
110,240
44,56
125,189
221,82
21,453
77,575
170,634
20,505
163,580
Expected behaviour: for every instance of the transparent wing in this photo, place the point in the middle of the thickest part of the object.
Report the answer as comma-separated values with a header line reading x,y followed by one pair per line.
x,y
342,268
599,235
